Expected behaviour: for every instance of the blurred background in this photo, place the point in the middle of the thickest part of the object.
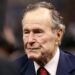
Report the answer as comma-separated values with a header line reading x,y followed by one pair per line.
x,y
11,43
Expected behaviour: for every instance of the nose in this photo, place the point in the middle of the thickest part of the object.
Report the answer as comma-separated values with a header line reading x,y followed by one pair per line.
x,y
31,38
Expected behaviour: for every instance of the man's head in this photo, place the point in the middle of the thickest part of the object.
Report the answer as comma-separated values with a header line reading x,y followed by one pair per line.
x,y
42,31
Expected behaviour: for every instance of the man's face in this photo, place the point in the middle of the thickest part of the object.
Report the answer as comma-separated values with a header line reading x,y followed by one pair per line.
x,y
39,39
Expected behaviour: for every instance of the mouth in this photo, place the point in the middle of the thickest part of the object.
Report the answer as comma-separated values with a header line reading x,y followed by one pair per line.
x,y
32,48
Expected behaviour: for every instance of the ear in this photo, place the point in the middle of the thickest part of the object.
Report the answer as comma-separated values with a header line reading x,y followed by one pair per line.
x,y
60,33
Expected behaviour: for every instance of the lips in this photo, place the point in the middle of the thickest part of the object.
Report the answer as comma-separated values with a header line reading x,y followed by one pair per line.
x,y
27,46
32,48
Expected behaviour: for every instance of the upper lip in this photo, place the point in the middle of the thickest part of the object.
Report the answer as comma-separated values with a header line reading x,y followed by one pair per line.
x,y
32,48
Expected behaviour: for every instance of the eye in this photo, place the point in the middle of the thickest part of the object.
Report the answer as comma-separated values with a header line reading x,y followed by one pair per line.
x,y
38,31
26,31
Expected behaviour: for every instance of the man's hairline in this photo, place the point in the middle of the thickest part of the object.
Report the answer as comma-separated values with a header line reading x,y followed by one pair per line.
x,y
50,13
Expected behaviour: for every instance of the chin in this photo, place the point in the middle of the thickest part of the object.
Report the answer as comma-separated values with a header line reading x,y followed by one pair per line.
x,y
34,57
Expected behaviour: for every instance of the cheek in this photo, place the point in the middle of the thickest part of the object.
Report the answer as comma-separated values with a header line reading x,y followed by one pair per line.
x,y
47,42
24,39
44,42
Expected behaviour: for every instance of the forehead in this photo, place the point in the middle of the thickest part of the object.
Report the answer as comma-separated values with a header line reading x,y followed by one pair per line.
x,y
37,18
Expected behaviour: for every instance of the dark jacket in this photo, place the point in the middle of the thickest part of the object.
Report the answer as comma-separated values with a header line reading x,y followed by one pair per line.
x,y
66,65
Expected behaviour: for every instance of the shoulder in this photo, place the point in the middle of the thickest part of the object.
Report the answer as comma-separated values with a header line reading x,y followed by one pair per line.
x,y
68,56
21,59
21,62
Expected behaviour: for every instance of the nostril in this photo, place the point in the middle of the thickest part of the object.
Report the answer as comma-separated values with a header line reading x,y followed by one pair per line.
x,y
31,43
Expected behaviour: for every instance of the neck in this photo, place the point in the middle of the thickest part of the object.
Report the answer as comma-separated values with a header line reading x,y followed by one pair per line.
x,y
45,59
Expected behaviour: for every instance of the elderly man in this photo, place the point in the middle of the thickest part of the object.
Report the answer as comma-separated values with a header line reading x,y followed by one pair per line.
x,y
42,33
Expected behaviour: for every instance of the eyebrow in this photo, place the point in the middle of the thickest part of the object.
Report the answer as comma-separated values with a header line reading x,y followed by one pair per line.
x,y
34,30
